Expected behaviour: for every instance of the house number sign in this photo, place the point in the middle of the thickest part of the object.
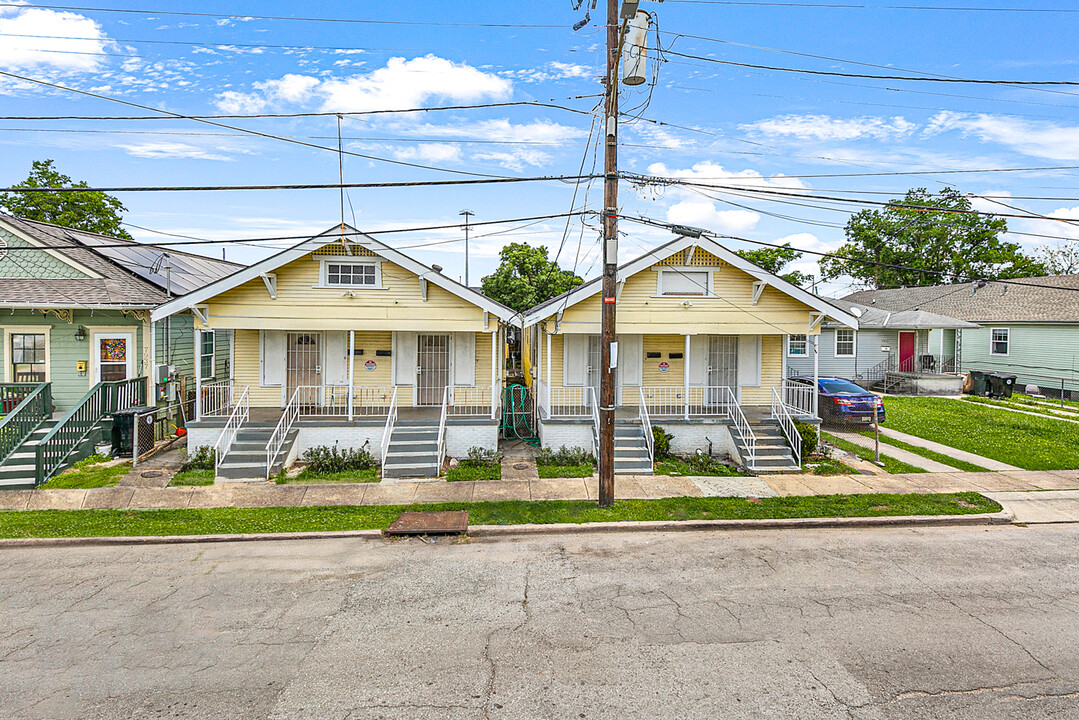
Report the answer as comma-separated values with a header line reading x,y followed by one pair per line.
x,y
664,367
370,366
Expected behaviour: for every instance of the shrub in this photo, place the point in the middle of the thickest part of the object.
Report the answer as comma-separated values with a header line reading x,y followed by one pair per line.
x,y
810,437
705,464
324,460
480,457
202,458
564,457
661,442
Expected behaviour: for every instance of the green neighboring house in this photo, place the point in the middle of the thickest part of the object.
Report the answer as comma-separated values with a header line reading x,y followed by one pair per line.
x,y
75,310
1030,329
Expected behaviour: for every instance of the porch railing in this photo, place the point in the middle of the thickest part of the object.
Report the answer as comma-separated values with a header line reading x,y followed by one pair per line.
x,y
373,400
694,401
280,433
237,418
24,416
11,394
472,401
646,425
442,430
391,420
749,439
798,397
78,422
786,423
566,402
217,398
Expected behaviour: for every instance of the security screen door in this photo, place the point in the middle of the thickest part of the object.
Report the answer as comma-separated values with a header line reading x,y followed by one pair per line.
x,y
433,368
593,368
722,366
303,363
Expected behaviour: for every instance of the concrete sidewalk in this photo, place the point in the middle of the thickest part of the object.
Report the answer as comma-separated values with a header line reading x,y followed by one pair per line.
x,y
893,452
979,460
626,487
1036,508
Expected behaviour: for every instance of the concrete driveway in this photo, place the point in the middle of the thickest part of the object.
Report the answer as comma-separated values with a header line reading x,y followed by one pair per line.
x,y
941,623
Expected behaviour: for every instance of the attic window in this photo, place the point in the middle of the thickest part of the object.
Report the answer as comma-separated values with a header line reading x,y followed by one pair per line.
x,y
339,273
684,283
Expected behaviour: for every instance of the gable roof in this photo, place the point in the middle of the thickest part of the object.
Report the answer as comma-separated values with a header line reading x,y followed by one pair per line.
x,y
1036,300
124,269
870,318
332,235
650,258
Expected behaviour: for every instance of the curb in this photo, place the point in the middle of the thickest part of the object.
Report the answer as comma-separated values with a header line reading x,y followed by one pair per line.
x,y
1004,517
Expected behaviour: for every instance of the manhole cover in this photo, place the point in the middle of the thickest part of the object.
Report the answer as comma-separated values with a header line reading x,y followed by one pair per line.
x,y
152,474
429,523
520,466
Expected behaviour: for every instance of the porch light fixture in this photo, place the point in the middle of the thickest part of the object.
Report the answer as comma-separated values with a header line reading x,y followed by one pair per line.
x,y
80,333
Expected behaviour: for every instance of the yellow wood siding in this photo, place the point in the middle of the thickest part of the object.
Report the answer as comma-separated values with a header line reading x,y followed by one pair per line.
x,y
665,345
731,312
771,372
302,305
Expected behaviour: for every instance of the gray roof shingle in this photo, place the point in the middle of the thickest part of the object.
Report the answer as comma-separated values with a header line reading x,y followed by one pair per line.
x,y
1050,299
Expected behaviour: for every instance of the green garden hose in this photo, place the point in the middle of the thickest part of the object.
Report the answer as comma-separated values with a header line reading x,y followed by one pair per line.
x,y
515,425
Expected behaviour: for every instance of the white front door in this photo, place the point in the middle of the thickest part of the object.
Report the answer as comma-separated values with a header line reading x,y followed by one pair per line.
x,y
114,356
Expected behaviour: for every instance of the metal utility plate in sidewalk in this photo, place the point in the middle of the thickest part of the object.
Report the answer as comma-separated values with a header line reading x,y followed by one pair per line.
x,y
429,523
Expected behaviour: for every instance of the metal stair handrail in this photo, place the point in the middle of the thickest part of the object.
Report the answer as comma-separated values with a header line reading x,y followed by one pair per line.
x,y
786,423
879,372
77,423
594,407
387,432
646,426
19,424
237,418
442,430
280,433
742,425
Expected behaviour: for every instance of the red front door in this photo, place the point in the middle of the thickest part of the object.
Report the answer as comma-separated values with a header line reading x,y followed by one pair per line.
x,y
906,352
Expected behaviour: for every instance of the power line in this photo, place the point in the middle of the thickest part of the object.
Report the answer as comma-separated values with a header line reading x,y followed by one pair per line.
x,y
850,6
241,16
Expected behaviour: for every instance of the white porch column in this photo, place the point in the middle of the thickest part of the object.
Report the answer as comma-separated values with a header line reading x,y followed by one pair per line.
x,y
816,374
547,368
685,377
494,372
198,374
940,360
351,368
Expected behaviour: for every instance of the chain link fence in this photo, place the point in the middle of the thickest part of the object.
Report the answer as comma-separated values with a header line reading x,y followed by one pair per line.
x,y
157,425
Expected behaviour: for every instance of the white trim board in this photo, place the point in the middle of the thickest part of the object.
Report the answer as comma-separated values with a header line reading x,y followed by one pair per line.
x,y
334,235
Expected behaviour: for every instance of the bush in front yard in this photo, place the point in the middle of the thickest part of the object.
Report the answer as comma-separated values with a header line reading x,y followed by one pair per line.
x,y
481,457
661,442
325,460
810,437
202,458
564,457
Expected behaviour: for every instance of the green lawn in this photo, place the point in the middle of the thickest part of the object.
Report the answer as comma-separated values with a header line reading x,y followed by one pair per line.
x,y
89,473
1027,441
677,466
307,477
465,473
1024,407
565,471
193,477
827,466
890,464
931,454
200,521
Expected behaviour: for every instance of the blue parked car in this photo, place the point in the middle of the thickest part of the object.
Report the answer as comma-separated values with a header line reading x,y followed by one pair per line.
x,y
844,401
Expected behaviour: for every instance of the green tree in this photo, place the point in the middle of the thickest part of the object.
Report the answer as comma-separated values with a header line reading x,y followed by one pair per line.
x,y
90,210
1060,260
775,259
949,238
526,277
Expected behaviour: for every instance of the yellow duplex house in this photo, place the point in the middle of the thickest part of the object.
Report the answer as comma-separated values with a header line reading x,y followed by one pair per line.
x,y
344,340
701,338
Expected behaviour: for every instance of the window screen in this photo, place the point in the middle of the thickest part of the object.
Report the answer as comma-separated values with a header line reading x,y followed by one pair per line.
x,y
844,342
796,345
1000,341
681,282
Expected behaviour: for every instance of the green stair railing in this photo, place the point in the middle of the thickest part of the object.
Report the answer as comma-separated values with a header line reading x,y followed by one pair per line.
x,y
25,416
78,422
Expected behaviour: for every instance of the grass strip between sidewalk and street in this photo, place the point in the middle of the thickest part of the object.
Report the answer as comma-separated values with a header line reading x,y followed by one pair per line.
x,y
232,520
891,465
930,454
565,471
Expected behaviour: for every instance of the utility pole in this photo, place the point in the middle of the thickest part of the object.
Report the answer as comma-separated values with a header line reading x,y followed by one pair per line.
x,y
610,263
467,214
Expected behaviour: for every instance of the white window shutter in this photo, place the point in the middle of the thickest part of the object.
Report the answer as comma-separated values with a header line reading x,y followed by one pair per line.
x,y
574,359
698,359
404,358
630,359
334,351
749,360
272,358
464,359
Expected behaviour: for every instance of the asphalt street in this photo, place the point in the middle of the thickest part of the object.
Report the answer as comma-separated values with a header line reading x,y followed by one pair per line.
x,y
886,623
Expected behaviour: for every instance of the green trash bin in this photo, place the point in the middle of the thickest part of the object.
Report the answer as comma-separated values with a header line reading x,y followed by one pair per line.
x,y
979,381
1001,384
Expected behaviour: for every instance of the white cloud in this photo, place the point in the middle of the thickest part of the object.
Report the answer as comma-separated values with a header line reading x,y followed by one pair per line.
x,y
172,151
29,40
710,173
703,214
826,127
1042,139
290,88
435,152
237,103
550,71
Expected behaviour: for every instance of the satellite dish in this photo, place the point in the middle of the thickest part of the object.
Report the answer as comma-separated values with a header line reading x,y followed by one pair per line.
x,y
856,312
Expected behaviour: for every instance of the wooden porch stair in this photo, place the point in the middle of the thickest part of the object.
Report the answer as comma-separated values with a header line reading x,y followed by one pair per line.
x,y
773,455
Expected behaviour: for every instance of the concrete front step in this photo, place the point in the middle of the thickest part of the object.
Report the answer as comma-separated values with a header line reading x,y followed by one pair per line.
x,y
410,470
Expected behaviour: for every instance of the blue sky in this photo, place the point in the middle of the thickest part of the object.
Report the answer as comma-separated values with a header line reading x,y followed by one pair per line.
x,y
752,127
